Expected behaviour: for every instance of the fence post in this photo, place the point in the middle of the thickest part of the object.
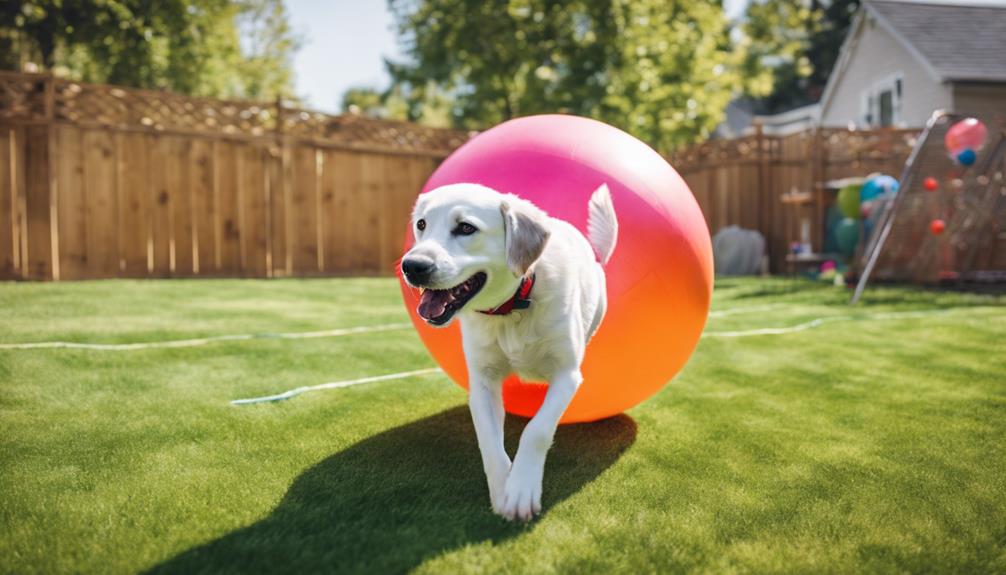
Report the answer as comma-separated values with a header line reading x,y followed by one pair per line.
x,y
281,197
40,192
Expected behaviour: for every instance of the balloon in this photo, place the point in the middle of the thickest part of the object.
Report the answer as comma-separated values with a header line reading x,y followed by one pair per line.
x,y
969,133
877,186
967,156
937,227
866,208
831,219
930,184
660,277
847,234
848,201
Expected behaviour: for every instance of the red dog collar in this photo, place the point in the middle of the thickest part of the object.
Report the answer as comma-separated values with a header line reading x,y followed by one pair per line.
x,y
520,299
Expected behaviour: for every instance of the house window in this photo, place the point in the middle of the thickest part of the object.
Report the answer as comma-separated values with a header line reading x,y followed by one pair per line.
x,y
882,103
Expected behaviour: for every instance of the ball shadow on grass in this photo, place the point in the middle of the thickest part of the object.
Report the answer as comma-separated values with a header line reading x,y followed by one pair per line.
x,y
393,500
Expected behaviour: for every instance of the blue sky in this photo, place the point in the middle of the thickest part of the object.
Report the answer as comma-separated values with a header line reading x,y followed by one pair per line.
x,y
343,45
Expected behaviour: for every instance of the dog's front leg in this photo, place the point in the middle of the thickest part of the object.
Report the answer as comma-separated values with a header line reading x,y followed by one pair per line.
x,y
485,399
522,495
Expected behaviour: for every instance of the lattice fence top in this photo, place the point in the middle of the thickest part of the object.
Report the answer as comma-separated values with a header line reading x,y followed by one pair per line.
x,y
35,97
835,145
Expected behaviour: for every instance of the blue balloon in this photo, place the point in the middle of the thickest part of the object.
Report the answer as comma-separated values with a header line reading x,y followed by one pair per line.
x,y
967,156
877,186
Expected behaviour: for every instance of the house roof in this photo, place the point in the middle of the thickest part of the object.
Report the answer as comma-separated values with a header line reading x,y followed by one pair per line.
x,y
956,42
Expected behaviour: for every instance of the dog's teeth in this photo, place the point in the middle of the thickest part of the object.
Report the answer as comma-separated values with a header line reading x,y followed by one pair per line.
x,y
422,291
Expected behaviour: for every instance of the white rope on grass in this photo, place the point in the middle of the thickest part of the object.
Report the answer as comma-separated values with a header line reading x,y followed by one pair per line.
x,y
191,343
195,342
823,320
745,333
336,385
746,309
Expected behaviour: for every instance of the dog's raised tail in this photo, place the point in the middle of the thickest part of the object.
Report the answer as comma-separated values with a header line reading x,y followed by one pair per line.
x,y
602,225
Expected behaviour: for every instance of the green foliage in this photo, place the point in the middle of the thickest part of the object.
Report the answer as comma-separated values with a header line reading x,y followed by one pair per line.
x,y
189,46
434,108
796,43
661,69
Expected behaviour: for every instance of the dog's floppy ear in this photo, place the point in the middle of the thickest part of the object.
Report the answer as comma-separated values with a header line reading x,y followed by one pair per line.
x,y
526,234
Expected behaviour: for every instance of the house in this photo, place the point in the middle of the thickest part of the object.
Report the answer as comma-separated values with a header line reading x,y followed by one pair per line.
x,y
740,119
902,59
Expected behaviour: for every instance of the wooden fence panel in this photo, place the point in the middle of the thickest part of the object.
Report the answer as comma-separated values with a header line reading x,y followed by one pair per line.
x,y
161,195
202,187
39,206
182,224
134,208
99,185
8,231
335,205
369,204
279,199
229,200
303,217
255,219
71,204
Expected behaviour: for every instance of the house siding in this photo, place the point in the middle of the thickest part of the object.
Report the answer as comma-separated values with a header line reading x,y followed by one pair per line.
x,y
984,101
876,56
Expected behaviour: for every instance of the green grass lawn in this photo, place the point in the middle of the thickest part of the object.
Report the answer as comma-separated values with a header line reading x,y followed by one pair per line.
x,y
875,442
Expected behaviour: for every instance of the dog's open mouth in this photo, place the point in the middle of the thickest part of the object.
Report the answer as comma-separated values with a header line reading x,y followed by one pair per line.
x,y
438,306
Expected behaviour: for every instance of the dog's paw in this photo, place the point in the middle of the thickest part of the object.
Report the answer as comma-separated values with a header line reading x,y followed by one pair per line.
x,y
497,486
522,494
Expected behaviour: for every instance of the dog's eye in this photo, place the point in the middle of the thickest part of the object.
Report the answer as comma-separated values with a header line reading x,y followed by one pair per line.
x,y
421,225
464,229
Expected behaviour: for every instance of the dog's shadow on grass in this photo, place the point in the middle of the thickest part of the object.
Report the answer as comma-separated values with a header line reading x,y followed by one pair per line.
x,y
393,500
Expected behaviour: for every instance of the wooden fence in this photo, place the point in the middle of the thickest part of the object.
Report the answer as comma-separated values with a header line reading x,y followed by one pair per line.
x,y
99,182
742,181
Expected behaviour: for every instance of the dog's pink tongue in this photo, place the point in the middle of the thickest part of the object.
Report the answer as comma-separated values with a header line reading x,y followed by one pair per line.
x,y
433,303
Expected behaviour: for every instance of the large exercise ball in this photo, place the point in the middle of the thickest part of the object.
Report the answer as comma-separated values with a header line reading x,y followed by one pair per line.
x,y
660,277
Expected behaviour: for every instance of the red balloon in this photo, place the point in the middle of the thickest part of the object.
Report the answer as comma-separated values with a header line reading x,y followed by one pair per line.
x,y
969,133
930,184
660,277
937,227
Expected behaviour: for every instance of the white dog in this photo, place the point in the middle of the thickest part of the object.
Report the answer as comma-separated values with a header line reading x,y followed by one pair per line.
x,y
530,292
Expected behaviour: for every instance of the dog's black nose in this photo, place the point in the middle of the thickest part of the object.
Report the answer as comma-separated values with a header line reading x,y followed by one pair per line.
x,y
418,269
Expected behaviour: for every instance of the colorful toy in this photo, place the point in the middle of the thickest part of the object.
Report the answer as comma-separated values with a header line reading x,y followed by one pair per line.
x,y
848,201
930,184
877,186
660,278
937,226
968,134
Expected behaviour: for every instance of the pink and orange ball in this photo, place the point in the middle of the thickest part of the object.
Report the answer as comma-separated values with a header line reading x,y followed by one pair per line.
x,y
660,277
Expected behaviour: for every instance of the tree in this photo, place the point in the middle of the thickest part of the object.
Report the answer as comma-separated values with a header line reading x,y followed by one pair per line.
x,y
663,70
797,43
434,109
190,46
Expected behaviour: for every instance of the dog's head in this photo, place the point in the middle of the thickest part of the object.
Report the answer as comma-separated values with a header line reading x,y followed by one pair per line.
x,y
473,244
